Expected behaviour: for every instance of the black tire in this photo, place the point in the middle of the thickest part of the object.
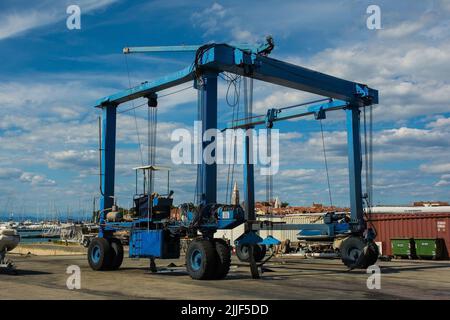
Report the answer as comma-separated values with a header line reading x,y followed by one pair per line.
x,y
116,254
223,251
260,253
201,260
99,254
371,255
242,252
86,242
356,253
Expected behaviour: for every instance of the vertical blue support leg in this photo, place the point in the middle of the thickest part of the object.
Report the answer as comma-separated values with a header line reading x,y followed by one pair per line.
x,y
209,121
107,161
249,182
354,168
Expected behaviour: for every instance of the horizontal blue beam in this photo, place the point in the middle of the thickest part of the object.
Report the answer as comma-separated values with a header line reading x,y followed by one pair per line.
x,y
187,48
221,57
226,58
148,88
160,49
286,114
265,48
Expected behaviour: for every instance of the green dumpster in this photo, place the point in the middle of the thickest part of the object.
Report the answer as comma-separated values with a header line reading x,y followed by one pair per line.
x,y
429,248
402,247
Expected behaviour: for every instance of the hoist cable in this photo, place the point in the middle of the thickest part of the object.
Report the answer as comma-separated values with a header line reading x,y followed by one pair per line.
x,y
159,97
371,154
135,118
366,158
305,103
326,163
232,162
269,177
199,178
248,112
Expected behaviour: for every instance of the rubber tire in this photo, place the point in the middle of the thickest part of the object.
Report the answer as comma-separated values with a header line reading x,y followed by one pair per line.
x,y
104,261
86,242
358,243
208,265
348,245
223,251
259,252
372,256
116,254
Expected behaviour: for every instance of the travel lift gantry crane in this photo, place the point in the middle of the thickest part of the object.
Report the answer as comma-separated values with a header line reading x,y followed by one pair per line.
x,y
154,235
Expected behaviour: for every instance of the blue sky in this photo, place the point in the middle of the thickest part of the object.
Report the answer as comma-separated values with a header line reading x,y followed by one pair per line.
x,y
51,76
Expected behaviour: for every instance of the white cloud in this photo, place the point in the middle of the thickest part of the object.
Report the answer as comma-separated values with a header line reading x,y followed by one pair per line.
x,y
436,168
413,137
10,173
298,173
442,183
14,24
72,159
402,30
46,13
210,18
37,180
441,123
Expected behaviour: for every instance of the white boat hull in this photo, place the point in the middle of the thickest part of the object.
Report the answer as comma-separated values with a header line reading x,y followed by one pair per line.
x,y
9,239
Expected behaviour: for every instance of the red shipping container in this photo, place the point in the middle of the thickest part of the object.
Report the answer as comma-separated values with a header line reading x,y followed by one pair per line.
x,y
411,225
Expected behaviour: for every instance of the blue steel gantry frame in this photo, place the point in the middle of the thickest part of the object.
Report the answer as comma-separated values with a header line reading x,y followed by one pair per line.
x,y
217,58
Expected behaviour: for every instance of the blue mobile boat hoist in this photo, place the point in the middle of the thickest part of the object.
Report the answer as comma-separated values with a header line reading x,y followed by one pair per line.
x,y
154,235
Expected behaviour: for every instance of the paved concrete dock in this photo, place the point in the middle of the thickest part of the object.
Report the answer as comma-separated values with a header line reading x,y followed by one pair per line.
x,y
44,277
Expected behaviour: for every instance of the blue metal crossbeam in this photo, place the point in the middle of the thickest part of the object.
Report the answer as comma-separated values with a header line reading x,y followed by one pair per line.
x,y
181,48
188,48
220,58
147,88
227,58
286,114
265,48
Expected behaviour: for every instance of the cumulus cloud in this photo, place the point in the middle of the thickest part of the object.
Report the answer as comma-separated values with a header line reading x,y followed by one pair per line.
x,y
73,159
210,18
436,168
36,179
10,173
15,23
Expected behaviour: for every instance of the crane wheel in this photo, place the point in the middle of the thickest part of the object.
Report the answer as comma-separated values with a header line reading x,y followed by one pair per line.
x,y
201,259
223,258
371,252
357,253
261,253
99,254
116,253
242,252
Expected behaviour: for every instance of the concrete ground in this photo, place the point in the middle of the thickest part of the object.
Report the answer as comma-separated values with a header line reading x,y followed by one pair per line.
x,y
44,277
